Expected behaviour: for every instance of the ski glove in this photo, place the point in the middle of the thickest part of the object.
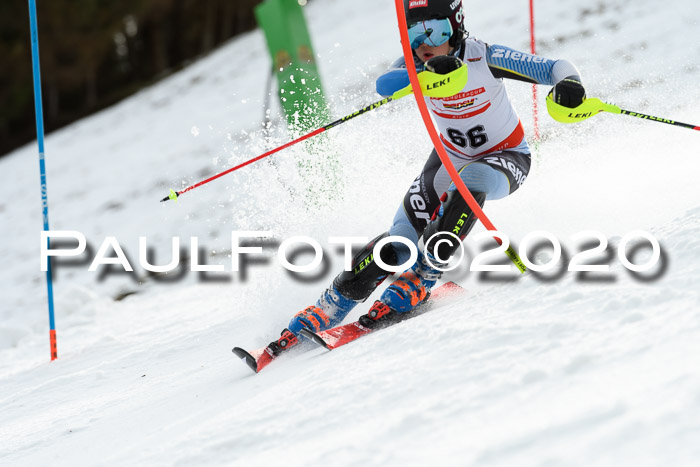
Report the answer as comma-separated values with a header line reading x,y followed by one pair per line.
x,y
443,64
568,92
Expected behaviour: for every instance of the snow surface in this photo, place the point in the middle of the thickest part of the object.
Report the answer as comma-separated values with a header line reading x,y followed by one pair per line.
x,y
550,369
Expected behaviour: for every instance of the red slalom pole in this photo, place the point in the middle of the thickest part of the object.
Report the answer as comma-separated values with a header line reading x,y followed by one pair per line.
x,y
425,113
533,51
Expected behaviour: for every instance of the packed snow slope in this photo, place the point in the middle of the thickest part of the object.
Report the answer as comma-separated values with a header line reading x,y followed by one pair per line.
x,y
557,368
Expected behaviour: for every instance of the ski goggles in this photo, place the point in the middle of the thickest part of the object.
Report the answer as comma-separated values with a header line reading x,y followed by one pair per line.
x,y
433,32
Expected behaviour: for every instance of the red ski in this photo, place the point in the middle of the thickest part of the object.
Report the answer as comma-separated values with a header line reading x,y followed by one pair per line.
x,y
340,335
259,359
255,359
346,333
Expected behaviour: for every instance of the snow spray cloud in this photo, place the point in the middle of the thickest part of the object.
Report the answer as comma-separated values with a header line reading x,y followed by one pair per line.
x,y
592,246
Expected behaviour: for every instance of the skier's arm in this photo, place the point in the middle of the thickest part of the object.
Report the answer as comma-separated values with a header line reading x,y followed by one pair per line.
x,y
395,78
505,62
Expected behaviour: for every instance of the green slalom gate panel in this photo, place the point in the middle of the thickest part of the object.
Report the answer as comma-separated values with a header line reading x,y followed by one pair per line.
x,y
301,97
300,90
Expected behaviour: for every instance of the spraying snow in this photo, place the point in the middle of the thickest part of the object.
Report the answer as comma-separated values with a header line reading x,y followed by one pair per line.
x,y
557,368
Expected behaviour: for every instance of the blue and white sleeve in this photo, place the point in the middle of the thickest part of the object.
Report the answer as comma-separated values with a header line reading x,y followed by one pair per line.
x,y
395,78
505,62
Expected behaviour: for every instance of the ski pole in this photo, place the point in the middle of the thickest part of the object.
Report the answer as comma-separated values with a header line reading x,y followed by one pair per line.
x,y
36,72
432,85
594,106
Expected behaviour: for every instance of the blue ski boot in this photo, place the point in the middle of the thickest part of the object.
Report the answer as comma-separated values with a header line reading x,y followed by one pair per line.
x,y
413,286
329,311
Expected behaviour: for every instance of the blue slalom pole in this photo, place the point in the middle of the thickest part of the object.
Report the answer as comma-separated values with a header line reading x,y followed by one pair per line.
x,y
42,167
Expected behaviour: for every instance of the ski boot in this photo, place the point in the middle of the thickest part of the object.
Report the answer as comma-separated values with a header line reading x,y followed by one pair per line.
x,y
413,286
328,312
312,318
406,293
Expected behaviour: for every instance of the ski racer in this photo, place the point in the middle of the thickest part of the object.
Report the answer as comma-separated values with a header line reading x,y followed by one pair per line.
x,y
485,141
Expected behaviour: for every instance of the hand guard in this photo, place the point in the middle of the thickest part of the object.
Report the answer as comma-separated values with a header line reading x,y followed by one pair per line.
x,y
443,64
568,92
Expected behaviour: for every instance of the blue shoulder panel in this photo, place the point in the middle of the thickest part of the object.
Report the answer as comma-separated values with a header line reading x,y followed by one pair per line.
x,y
531,66
392,81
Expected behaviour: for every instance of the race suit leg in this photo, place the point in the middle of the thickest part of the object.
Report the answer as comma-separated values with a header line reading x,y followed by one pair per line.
x,y
496,175
420,202
489,177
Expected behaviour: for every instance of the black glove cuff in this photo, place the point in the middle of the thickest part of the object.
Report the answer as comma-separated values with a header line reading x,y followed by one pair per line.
x,y
443,64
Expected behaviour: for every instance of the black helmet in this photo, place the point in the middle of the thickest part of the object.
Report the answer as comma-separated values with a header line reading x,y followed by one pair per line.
x,y
422,10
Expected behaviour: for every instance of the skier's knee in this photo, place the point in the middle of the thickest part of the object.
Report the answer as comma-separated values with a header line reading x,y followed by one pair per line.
x,y
481,177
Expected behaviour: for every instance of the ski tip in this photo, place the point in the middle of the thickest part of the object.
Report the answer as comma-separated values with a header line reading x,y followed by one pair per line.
x,y
314,338
246,357
448,290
